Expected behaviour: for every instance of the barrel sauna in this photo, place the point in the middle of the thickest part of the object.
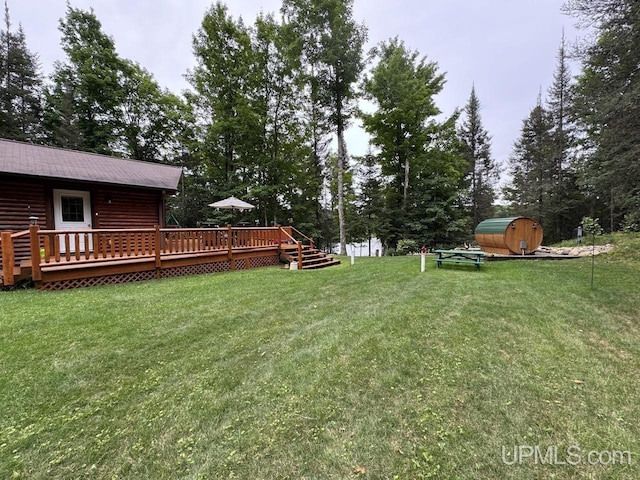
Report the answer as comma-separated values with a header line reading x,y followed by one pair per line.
x,y
509,236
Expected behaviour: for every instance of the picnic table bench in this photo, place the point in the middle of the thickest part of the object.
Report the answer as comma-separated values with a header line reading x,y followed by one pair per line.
x,y
460,257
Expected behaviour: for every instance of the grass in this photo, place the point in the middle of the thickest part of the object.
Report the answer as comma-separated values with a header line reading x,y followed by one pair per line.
x,y
373,371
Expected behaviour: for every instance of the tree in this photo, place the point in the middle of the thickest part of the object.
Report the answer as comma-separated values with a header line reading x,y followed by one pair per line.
x,y
86,94
20,86
402,128
565,205
313,203
370,200
332,44
60,121
251,141
434,217
482,170
402,87
151,124
102,103
545,181
607,108
283,181
222,85
354,231
559,105
531,165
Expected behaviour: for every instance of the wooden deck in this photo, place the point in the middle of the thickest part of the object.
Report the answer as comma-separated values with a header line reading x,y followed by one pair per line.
x,y
60,259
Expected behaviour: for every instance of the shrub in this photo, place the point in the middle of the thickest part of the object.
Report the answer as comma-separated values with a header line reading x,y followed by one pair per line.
x,y
407,247
631,223
591,226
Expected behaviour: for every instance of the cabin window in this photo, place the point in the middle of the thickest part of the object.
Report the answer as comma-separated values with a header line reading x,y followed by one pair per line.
x,y
72,209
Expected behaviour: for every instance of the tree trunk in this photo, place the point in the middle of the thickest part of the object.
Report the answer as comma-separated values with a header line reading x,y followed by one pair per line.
x,y
341,162
405,184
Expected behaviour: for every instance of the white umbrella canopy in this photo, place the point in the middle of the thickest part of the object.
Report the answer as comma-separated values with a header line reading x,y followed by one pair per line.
x,y
233,203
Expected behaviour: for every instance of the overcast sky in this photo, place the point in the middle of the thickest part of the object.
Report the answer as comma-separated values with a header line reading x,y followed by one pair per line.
x,y
507,48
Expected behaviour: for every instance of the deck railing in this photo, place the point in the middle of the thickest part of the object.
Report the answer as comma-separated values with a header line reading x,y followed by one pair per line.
x,y
185,240
49,247
58,247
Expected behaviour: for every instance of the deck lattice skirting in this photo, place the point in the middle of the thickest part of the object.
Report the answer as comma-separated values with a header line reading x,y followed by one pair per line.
x,y
199,269
202,269
94,281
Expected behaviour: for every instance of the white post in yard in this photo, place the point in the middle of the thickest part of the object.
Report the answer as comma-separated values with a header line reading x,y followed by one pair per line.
x,y
423,256
353,254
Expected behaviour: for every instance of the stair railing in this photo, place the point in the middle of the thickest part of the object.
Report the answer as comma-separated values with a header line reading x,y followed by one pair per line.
x,y
8,255
298,243
310,239
287,235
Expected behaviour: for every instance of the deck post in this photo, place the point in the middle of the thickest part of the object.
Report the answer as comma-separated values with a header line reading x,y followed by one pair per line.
x,y
34,241
158,250
8,259
299,255
232,264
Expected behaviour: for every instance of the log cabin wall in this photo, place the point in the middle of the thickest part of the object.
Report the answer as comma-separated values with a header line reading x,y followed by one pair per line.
x,y
111,206
116,207
20,199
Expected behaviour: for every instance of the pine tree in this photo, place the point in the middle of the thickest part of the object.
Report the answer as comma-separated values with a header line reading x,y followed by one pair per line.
x,y
566,204
607,109
60,122
20,86
559,105
531,165
482,170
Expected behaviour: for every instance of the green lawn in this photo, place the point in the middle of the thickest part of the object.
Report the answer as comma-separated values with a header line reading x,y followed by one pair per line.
x,y
373,371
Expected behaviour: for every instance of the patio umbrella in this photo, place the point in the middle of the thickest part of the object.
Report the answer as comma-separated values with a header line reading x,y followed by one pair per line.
x,y
233,203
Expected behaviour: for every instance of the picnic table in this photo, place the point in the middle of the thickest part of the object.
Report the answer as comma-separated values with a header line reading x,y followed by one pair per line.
x,y
460,257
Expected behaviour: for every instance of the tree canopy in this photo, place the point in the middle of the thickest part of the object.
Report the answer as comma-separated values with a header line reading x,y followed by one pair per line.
x,y
607,109
269,102
20,86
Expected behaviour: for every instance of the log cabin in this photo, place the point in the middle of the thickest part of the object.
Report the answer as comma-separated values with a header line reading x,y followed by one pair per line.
x,y
72,219
71,190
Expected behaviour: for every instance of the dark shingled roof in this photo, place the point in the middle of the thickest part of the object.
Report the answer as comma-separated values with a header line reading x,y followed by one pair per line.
x,y
35,160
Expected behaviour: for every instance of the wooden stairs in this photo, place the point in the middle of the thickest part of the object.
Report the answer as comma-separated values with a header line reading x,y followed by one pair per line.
x,y
20,273
312,258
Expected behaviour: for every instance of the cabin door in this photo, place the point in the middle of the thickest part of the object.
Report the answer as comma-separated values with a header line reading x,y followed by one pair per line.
x,y
72,211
